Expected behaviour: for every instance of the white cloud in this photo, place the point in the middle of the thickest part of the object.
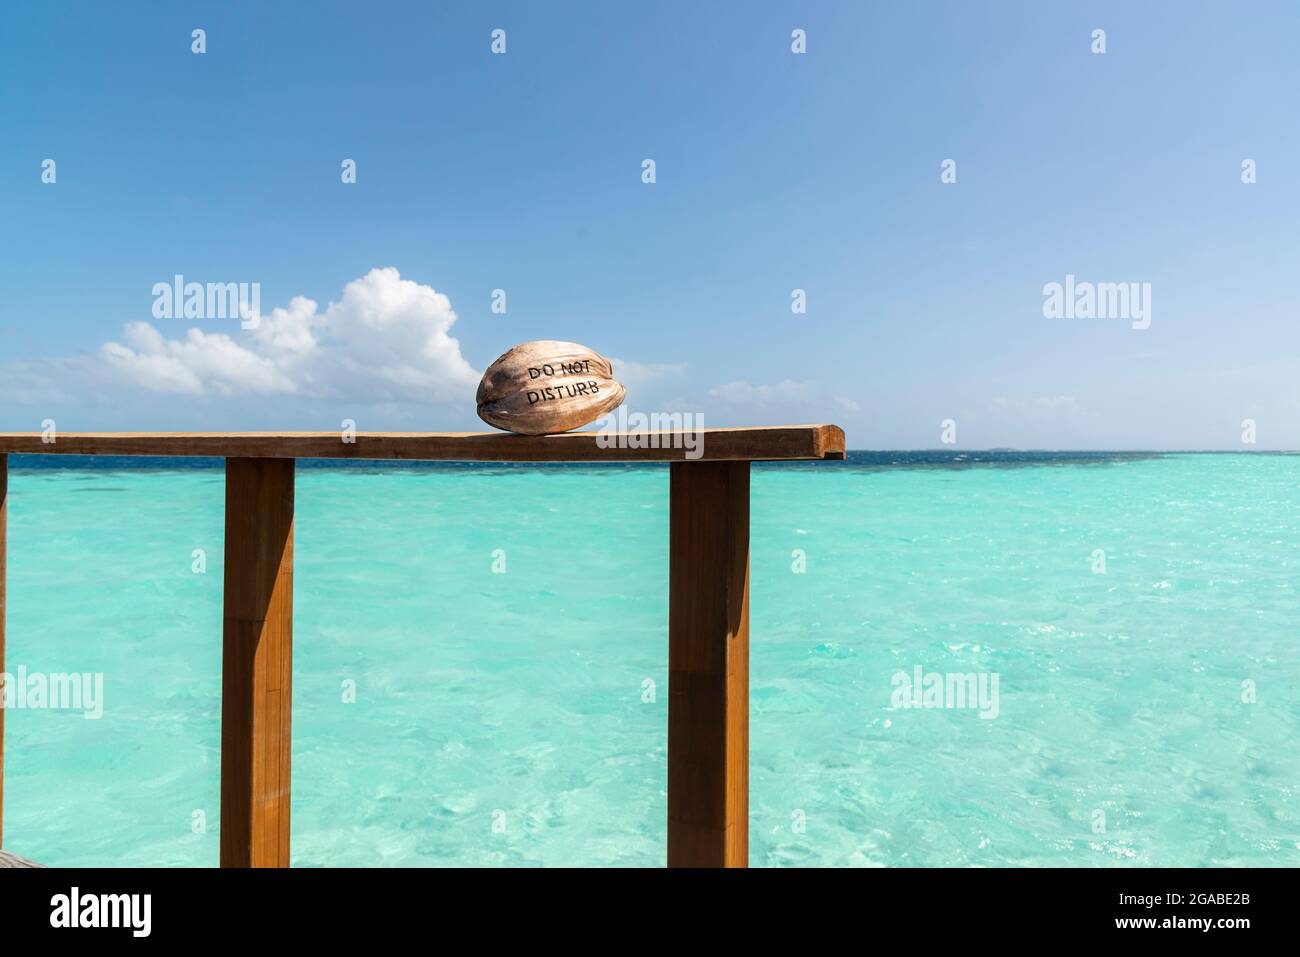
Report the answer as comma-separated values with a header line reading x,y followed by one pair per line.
x,y
40,383
787,397
639,373
386,340
742,393
1038,404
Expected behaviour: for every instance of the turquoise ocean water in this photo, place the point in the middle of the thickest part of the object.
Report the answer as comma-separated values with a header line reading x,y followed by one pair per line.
x,y
1146,716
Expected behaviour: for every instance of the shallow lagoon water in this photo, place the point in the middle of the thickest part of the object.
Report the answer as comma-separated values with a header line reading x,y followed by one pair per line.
x,y
535,699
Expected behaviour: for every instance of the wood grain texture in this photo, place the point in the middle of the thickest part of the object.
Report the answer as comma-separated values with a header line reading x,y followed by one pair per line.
x,y
708,665
13,860
765,443
257,663
4,518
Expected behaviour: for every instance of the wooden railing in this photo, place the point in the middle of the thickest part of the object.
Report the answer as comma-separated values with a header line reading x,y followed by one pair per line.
x,y
708,617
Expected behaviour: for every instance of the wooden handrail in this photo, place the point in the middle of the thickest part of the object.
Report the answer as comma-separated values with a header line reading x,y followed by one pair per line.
x,y
708,601
767,443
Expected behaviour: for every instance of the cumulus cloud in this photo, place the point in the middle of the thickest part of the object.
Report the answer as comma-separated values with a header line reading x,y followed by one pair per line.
x,y
386,340
198,363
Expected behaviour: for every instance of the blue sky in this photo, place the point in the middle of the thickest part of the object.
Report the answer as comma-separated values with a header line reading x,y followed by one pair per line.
x,y
775,171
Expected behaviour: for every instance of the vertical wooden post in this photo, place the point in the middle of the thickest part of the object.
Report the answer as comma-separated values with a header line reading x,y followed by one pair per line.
x,y
4,508
257,663
708,665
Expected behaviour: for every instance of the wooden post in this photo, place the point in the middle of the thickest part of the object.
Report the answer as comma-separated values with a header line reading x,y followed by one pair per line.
x,y
257,663
4,508
708,665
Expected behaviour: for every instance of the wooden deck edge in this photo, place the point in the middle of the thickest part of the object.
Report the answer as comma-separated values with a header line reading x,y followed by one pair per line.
x,y
13,860
831,443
